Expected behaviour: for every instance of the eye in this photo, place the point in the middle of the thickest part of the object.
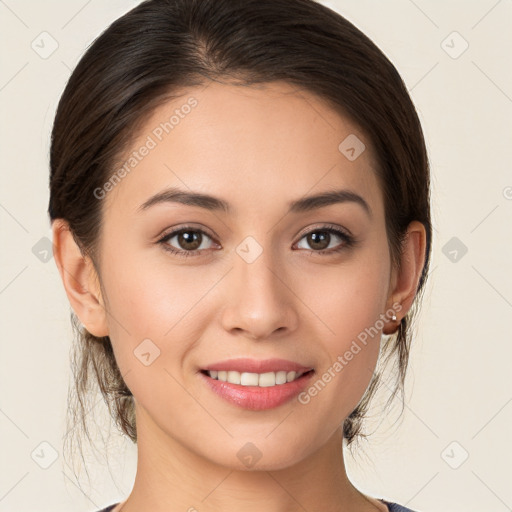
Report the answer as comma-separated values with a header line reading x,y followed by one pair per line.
x,y
190,241
320,239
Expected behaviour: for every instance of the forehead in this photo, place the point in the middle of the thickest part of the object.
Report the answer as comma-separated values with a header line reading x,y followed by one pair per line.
x,y
257,146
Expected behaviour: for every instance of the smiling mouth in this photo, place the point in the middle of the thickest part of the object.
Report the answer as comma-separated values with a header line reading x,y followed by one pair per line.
x,y
262,380
257,391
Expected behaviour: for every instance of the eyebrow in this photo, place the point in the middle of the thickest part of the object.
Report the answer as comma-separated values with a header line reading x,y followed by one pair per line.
x,y
208,202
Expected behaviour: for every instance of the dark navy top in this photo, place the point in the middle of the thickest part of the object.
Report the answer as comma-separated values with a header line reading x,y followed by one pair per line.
x,y
393,507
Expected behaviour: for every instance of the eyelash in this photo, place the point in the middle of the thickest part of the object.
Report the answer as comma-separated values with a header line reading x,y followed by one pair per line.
x,y
348,240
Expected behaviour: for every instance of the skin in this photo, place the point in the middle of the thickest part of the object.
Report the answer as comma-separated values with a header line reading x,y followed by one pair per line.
x,y
258,148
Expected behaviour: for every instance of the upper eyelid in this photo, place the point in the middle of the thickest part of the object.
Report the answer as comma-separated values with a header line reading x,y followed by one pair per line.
x,y
327,227
175,231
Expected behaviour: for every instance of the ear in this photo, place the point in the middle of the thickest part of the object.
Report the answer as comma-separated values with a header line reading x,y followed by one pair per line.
x,y
80,280
404,281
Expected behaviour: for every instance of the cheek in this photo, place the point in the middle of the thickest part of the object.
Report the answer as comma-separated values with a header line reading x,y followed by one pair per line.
x,y
345,298
347,302
156,301
151,296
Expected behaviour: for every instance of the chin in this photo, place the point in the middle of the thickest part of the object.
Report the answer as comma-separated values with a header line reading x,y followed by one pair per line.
x,y
259,454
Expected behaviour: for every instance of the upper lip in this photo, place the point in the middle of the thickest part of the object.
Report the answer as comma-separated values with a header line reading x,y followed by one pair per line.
x,y
257,366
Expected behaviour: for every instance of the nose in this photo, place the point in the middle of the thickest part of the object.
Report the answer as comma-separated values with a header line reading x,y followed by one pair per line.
x,y
260,300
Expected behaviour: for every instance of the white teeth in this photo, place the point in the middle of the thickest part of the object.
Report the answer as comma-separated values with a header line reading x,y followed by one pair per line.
x,y
233,377
249,379
291,376
267,380
263,380
281,377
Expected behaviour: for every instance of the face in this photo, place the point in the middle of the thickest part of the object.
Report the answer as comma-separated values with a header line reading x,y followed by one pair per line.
x,y
256,280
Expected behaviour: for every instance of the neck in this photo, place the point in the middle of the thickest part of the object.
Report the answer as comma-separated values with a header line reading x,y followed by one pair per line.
x,y
171,477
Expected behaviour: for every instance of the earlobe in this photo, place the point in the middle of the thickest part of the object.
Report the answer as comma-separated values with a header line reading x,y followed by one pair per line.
x,y
408,276
80,280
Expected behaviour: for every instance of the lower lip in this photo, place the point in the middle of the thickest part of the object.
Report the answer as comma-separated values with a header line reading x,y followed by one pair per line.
x,y
255,398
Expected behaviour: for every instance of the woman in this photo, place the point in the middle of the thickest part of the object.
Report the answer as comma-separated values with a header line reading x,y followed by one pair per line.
x,y
239,198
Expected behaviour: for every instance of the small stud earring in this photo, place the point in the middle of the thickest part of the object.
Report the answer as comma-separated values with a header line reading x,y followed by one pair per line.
x,y
393,318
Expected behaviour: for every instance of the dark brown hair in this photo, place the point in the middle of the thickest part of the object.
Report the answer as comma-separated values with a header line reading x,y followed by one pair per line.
x,y
159,48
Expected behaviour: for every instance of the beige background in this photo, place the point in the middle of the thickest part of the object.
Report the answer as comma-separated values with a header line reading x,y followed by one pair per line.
x,y
459,389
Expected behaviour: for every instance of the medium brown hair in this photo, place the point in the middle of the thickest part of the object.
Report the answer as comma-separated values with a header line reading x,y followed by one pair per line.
x,y
161,47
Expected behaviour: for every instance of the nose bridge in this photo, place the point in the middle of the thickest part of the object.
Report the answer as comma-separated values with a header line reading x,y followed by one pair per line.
x,y
255,266
261,302
255,269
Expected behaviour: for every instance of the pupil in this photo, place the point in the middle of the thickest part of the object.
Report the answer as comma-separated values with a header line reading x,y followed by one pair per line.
x,y
315,239
193,240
